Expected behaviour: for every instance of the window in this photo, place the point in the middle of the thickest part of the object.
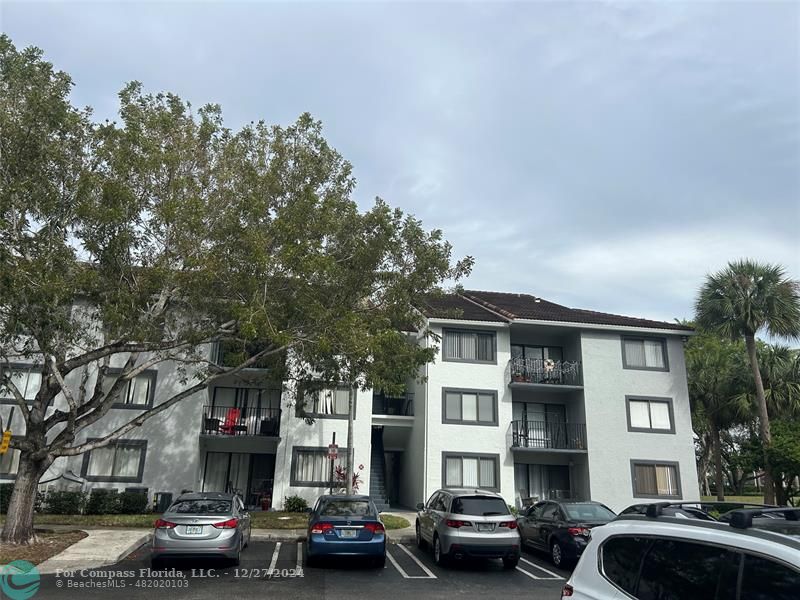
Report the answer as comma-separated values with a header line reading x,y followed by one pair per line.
x,y
9,462
537,352
26,378
652,415
326,403
473,407
655,479
469,346
550,513
122,460
311,466
765,579
645,353
621,558
471,470
137,393
675,569
479,506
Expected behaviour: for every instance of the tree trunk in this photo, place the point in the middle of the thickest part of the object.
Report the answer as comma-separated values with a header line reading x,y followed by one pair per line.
x,y
18,528
716,450
763,418
349,470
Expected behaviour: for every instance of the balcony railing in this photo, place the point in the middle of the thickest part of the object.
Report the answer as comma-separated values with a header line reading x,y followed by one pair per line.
x,y
231,421
544,435
387,405
547,371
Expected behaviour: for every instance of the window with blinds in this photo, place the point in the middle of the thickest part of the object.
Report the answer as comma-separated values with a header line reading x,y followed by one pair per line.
x,y
644,353
122,460
26,378
653,479
471,471
325,403
650,415
468,346
470,407
136,393
312,467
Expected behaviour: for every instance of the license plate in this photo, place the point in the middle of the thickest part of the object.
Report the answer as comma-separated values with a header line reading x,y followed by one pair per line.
x,y
194,529
485,526
349,533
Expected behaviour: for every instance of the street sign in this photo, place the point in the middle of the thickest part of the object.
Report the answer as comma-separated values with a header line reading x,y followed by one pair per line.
x,y
333,451
5,441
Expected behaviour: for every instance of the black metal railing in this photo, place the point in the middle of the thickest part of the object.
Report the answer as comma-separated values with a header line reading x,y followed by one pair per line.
x,y
538,370
393,405
541,434
227,420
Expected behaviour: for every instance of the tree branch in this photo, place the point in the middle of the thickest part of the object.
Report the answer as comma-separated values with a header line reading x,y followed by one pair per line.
x,y
7,381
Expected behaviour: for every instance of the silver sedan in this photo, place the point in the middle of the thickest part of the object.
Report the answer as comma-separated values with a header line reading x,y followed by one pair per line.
x,y
205,524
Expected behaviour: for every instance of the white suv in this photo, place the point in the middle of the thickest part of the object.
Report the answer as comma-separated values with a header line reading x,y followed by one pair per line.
x,y
658,557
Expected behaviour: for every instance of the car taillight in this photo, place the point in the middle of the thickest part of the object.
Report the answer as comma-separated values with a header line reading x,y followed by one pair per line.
x,y
567,590
374,527
229,524
509,524
321,527
578,531
161,524
456,524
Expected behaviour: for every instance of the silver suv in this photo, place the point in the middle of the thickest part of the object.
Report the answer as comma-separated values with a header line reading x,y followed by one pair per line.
x,y
460,523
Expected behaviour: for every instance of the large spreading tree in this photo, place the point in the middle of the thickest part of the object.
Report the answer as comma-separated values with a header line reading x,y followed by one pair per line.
x,y
145,240
740,301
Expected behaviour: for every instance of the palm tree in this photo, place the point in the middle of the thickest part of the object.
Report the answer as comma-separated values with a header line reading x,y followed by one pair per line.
x,y
744,298
715,393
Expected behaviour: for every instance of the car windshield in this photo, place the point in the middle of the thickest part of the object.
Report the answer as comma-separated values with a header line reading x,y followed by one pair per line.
x,y
202,507
588,512
346,508
479,506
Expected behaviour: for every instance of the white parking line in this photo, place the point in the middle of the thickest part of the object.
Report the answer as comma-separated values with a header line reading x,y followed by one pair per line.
x,y
274,557
416,560
299,568
531,575
396,565
554,575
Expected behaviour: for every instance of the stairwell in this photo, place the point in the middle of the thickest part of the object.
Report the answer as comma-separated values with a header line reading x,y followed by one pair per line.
x,y
377,472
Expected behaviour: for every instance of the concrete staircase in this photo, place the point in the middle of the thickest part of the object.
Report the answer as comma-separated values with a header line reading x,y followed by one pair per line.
x,y
377,472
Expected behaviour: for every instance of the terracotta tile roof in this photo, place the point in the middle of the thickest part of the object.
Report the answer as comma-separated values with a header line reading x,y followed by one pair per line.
x,y
501,306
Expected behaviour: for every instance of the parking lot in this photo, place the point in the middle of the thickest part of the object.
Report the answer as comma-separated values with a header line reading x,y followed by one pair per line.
x,y
275,569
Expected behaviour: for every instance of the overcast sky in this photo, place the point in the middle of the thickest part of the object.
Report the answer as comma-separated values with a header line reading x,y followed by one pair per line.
x,y
600,155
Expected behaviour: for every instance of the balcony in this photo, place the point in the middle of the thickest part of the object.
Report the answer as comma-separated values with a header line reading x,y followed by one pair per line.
x,y
227,421
400,405
541,435
536,372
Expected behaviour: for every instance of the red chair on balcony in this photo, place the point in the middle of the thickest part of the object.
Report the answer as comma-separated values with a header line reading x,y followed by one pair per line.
x,y
231,424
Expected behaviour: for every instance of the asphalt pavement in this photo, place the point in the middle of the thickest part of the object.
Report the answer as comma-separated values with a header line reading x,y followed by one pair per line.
x,y
276,570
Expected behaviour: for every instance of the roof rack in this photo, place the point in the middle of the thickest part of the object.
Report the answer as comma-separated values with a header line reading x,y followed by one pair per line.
x,y
743,518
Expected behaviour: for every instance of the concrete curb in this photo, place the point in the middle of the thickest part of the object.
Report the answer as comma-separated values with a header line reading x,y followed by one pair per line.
x,y
91,553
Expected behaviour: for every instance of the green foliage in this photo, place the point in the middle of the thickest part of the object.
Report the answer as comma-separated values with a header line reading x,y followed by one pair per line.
x,y
103,502
64,502
132,503
294,504
513,509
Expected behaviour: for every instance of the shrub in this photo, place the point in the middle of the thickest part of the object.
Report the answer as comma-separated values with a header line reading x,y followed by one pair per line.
x,y
5,496
64,502
132,503
103,502
295,504
513,510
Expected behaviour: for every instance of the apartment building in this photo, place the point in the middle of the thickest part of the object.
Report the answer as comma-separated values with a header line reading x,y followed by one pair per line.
x,y
525,397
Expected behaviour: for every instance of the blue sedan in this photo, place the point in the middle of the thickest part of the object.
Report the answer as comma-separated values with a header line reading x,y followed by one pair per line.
x,y
345,526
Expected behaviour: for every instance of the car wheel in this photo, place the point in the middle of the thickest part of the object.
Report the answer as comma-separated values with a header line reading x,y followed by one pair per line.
x,y
380,562
311,561
439,557
420,541
236,560
510,563
557,554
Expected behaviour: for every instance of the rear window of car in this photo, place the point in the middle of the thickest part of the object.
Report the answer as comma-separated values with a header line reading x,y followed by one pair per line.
x,y
764,579
346,508
479,506
588,512
201,507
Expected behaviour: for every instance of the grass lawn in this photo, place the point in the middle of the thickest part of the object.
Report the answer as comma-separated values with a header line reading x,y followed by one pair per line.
x,y
260,520
46,546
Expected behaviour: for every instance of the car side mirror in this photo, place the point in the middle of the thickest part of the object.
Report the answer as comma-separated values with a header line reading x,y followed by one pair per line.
x,y
420,506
